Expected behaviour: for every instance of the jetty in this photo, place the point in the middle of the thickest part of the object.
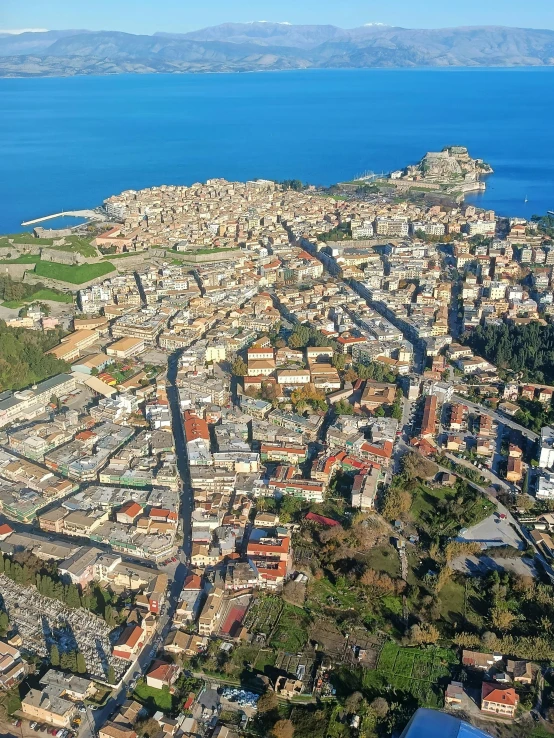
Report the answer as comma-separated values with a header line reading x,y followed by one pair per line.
x,y
90,214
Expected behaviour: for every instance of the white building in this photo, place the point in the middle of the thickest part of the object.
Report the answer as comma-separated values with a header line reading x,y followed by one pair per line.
x,y
546,457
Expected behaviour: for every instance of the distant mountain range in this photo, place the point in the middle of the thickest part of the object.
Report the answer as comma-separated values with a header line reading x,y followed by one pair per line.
x,y
241,47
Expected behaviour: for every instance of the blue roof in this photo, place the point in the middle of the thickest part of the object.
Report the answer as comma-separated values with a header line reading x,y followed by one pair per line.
x,y
427,723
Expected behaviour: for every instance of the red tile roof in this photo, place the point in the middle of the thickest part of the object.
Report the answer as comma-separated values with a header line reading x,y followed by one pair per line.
x,y
493,692
130,636
322,520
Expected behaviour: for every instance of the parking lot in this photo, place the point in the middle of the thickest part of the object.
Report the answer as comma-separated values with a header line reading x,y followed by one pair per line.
x,y
493,531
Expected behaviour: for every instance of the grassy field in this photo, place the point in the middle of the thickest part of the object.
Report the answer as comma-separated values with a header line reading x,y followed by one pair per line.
x,y
38,296
25,259
428,503
265,658
423,672
75,274
291,633
383,558
425,500
78,245
24,238
160,699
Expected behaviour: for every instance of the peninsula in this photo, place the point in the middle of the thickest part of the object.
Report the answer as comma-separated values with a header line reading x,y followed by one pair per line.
x,y
278,460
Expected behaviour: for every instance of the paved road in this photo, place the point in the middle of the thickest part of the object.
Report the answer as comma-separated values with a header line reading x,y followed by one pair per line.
x,y
487,473
94,719
500,417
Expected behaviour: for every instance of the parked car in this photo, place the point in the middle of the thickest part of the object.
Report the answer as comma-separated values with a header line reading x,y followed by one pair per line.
x,y
33,725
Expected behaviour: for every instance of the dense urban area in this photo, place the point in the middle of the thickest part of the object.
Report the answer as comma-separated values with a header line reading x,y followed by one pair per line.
x,y
279,461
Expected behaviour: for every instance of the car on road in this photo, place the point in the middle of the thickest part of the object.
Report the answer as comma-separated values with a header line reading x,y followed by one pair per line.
x,y
174,559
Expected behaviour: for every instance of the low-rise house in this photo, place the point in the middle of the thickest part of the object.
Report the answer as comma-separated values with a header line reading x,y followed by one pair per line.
x,y
543,541
12,667
480,660
454,695
514,471
70,686
161,674
116,730
47,707
129,643
521,672
178,643
289,688
498,700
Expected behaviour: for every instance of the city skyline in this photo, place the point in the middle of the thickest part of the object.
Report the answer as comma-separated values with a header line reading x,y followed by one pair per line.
x,y
145,17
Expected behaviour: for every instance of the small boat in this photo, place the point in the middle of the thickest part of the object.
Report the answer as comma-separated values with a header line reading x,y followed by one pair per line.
x,y
526,200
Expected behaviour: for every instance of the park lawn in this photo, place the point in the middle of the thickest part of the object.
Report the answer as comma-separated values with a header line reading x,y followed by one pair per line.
x,y
383,558
291,633
160,699
74,274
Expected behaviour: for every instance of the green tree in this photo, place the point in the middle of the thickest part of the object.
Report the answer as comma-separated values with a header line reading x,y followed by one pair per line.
x,y
110,676
4,623
109,616
72,597
54,655
13,701
239,367
81,664
343,407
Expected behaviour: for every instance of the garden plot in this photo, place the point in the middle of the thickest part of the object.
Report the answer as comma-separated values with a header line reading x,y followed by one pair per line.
x,y
299,665
422,672
263,615
41,622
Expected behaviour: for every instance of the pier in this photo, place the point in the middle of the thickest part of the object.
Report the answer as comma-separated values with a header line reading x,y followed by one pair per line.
x,y
90,214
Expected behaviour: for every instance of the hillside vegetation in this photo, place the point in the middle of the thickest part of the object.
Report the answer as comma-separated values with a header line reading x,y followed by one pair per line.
x,y
23,358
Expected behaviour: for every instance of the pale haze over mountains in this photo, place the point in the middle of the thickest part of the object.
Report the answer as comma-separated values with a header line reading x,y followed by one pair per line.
x,y
241,47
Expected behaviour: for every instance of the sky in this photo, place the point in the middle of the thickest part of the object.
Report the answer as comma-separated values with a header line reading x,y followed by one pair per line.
x,y
148,16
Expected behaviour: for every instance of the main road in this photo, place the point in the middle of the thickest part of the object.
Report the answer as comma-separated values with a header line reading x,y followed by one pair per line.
x,y
500,417
94,719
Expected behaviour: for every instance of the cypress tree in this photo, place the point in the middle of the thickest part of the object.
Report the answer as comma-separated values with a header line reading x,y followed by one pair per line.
x,y
54,655
81,663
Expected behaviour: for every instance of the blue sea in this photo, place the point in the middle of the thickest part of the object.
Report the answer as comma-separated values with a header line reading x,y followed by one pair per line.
x,y
68,143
